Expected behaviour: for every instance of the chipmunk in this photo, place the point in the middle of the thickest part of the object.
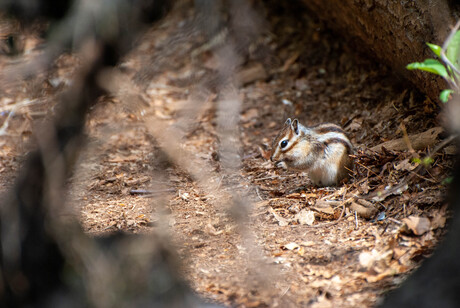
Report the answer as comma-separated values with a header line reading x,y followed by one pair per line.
x,y
322,151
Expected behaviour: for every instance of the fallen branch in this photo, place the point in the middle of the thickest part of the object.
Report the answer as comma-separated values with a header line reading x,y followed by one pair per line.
x,y
418,141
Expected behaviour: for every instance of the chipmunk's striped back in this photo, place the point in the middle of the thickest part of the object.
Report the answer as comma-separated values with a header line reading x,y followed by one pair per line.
x,y
322,151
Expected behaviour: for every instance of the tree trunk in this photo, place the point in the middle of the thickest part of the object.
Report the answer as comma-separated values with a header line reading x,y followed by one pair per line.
x,y
395,32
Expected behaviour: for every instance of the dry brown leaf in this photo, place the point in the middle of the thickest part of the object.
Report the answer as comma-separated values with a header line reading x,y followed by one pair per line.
x,y
355,125
405,165
439,218
450,150
364,187
324,209
387,191
418,225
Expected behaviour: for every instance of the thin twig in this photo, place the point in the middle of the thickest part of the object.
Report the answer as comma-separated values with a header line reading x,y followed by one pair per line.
x,y
369,170
442,144
149,192
407,140
444,49
356,220
258,194
395,221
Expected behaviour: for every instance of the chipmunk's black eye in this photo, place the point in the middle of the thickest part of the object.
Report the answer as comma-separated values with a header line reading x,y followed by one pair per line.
x,y
283,144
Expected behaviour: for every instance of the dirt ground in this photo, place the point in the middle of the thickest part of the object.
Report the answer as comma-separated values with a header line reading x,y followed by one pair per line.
x,y
262,249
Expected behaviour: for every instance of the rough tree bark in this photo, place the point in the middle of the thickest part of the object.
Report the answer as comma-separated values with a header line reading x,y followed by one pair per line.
x,y
394,32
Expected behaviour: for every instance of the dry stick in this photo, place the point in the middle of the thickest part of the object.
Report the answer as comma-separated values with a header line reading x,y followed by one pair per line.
x,y
395,220
444,57
368,169
406,139
258,194
150,192
356,220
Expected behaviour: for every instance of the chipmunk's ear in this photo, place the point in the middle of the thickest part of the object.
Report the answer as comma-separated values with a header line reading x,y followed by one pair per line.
x,y
288,122
295,126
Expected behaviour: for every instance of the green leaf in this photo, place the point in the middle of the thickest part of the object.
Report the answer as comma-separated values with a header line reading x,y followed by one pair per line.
x,y
445,95
427,161
429,65
447,180
435,48
453,49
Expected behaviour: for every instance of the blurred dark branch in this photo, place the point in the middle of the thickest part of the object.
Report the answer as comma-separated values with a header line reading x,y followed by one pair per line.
x,y
32,261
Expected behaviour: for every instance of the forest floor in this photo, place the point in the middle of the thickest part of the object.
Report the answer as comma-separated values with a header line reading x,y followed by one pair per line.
x,y
283,242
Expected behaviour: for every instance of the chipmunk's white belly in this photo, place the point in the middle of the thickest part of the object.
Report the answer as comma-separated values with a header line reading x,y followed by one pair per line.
x,y
325,170
323,174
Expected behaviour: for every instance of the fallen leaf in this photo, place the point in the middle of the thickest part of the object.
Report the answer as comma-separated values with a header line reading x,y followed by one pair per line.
x,y
367,259
450,150
387,191
364,187
405,165
439,218
324,209
290,246
305,217
418,225
355,125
